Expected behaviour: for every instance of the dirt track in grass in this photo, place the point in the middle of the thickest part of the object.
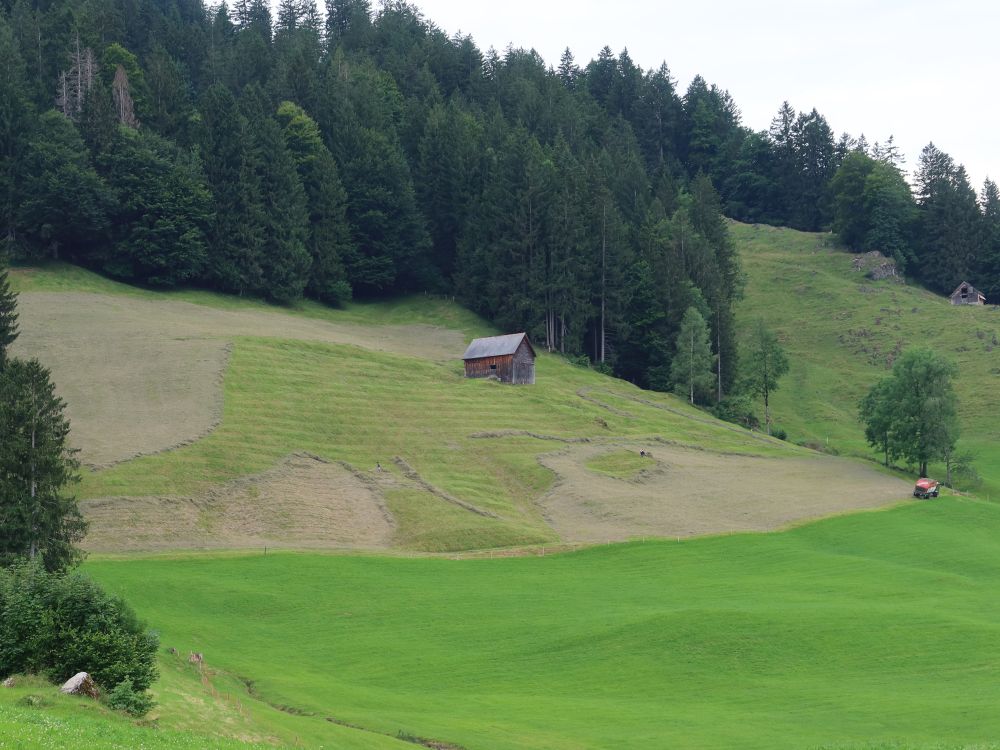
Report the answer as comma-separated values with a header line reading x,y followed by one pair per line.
x,y
688,492
303,502
143,376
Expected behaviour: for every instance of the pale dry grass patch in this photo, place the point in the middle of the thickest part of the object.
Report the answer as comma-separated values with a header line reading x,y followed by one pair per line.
x,y
142,376
687,492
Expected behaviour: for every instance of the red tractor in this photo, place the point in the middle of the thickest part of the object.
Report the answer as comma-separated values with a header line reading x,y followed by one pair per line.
x,y
926,488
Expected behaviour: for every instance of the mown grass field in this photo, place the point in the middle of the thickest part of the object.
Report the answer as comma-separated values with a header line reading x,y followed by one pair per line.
x,y
478,441
841,330
872,630
620,464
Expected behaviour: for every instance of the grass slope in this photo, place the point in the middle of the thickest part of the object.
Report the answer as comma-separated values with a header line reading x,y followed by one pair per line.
x,y
35,716
842,330
871,630
477,441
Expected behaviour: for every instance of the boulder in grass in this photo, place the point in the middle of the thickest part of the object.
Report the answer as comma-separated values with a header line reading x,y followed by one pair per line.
x,y
81,684
9,682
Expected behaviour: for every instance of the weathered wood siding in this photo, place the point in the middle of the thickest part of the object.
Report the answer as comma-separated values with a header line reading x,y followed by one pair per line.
x,y
524,365
972,297
500,367
518,367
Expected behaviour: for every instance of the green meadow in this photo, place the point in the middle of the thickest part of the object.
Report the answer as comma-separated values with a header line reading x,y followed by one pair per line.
x,y
877,629
842,330
871,631
34,716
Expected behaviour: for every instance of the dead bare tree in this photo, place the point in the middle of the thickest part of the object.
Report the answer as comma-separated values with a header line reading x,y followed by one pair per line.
x,y
75,83
123,99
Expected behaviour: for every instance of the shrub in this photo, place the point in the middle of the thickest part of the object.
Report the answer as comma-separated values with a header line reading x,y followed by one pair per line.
x,y
737,408
820,446
60,624
124,697
604,368
780,433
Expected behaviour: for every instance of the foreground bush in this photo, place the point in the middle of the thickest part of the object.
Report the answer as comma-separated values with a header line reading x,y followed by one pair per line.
x,y
124,697
59,624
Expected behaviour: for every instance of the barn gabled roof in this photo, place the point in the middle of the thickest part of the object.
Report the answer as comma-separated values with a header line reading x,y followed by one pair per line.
x,y
968,286
496,346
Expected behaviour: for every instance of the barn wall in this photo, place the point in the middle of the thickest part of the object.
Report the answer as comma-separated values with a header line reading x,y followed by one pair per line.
x,y
972,297
524,365
481,368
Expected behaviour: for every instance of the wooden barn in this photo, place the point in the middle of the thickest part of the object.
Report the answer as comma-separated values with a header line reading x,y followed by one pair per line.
x,y
509,358
966,294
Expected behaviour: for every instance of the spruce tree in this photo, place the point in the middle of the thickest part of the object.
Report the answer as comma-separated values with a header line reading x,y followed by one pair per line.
x,y
989,261
8,317
236,234
284,259
38,519
329,236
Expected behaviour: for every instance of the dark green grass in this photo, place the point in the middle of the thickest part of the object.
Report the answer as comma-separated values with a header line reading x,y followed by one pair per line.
x,y
871,629
841,329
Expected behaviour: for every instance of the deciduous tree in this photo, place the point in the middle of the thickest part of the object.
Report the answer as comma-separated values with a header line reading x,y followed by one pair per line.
x,y
766,363
691,368
913,413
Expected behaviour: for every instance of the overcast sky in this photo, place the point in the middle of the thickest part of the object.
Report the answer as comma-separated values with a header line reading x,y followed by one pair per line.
x,y
919,70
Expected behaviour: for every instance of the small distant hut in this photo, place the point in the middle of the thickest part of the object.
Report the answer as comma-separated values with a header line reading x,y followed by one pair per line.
x,y
509,358
966,294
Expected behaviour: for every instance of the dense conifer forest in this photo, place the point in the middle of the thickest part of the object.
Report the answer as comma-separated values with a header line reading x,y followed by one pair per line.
x,y
366,153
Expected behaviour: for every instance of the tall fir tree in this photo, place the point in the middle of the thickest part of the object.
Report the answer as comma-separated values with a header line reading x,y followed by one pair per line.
x,y
284,260
236,234
329,236
39,520
8,317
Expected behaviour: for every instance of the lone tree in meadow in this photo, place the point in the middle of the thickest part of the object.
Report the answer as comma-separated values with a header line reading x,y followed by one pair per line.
x,y
691,368
913,413
766,363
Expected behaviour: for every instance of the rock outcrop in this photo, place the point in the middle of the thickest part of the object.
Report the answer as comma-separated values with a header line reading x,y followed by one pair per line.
x,y
81,684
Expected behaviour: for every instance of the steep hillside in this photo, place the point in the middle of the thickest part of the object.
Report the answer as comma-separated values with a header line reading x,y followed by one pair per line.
x,y
843,330
209,422
227,424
